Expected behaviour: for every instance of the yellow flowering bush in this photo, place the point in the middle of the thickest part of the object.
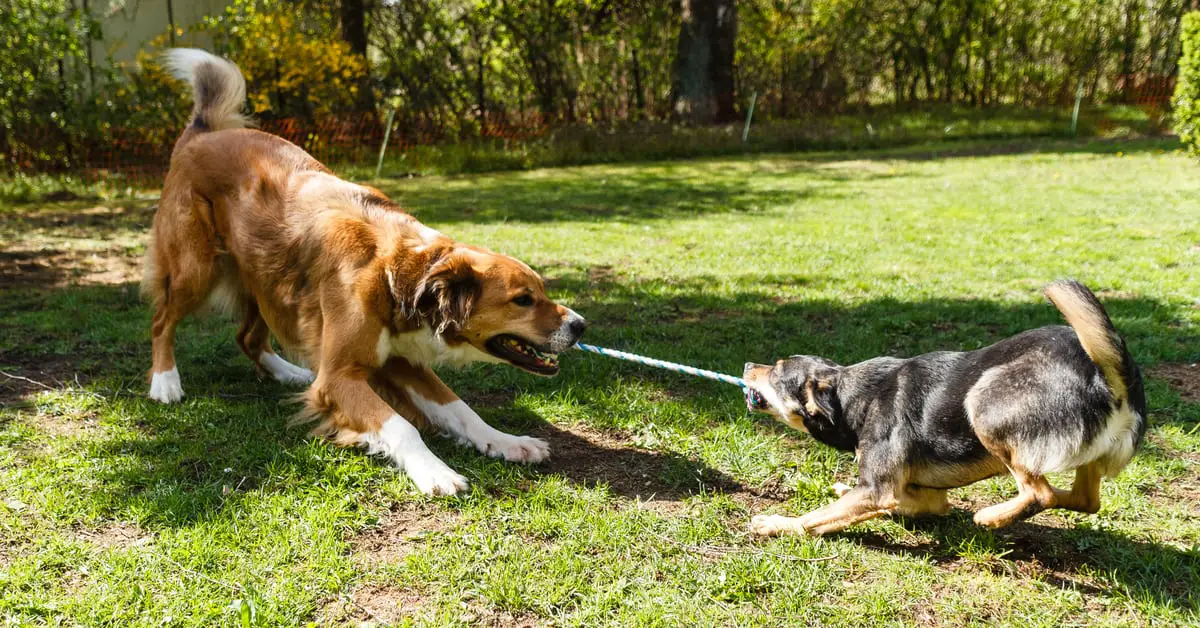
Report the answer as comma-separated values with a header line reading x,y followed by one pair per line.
x,y
291,67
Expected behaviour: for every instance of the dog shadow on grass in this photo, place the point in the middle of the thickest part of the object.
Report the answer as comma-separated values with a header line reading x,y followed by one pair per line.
x,y
591,457
1089,559
180,470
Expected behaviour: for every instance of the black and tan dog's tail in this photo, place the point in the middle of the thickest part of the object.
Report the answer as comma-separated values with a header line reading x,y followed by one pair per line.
x,y
218,88
1095,330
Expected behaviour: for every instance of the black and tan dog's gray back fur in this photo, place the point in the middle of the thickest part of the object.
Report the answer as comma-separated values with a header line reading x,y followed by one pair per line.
x,y
1047,400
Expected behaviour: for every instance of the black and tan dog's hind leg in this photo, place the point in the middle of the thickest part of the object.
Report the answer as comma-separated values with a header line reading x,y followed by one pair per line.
x,y
855,505
919,501
859,504
1035,494
915,501
1084,495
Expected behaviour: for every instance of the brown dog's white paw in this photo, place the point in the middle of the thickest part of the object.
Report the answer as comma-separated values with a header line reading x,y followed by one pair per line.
x,y
436,479
516,448
165,387
285,372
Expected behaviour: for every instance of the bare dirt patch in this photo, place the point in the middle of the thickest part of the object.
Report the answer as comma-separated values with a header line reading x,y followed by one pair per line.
x,y
66,427
384,604
20,378
601,274
592,457
53,268
488,616
489,398
376,603
117,535
73,221
399,533
1184,378
65,244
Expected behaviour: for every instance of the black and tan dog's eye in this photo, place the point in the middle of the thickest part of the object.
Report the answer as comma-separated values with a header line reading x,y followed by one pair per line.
x,y
524,300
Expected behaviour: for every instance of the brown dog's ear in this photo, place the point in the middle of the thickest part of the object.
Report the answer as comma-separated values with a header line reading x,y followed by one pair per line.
x,y
447,293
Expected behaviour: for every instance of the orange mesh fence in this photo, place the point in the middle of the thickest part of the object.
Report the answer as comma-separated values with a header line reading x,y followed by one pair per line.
x,y
1152,91
142,155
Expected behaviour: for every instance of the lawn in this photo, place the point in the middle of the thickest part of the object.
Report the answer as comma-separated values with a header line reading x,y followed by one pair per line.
x,y
116,510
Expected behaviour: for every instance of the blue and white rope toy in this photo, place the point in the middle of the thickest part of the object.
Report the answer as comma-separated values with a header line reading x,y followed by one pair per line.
x,y
663,364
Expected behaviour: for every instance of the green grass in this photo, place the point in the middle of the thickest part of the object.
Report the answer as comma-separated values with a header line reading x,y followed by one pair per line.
x,y
118,511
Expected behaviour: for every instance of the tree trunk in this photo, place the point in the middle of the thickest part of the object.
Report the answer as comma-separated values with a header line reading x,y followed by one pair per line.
x,y
897,78
480,88
354,26
1128,48
702,88
354,32
639,97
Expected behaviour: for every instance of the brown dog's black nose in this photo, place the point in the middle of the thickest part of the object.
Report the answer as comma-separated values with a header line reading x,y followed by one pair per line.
x,y
577,327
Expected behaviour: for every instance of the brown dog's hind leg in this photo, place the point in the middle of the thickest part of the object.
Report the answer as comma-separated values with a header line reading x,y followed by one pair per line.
x,y
179,278
254,339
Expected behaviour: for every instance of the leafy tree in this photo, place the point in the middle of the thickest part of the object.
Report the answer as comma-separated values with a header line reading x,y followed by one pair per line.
x,y
1187,90
503,68
43,76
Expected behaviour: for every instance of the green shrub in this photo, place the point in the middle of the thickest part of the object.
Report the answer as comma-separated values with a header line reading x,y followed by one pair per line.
x,y
1187,90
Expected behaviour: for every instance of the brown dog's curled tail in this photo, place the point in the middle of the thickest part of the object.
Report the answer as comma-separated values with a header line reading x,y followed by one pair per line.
x,y
218,88
1095,330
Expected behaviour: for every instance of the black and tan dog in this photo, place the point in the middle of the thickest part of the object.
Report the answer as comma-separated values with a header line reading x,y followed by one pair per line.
x,y
1047,400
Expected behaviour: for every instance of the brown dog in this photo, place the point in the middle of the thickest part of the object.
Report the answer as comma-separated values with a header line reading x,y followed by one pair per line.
x,y
370,297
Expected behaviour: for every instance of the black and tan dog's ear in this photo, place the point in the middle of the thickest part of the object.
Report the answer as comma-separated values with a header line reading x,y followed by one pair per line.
x,y
820,393
446,295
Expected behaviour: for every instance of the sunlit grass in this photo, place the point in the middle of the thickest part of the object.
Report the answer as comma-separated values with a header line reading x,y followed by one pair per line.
x,y
117,511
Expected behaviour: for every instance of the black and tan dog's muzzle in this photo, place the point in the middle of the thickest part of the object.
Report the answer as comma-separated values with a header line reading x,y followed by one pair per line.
x,y
755,402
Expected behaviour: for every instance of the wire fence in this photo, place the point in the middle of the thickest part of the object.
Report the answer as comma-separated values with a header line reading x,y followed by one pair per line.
x,y
142,155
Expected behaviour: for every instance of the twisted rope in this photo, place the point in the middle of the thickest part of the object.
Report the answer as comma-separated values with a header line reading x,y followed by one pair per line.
x,y
662,364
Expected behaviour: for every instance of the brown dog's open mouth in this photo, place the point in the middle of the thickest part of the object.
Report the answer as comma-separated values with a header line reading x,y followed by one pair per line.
x,y
755,400
522,354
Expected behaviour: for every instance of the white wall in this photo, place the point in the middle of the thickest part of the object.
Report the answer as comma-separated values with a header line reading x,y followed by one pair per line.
x,y
128,25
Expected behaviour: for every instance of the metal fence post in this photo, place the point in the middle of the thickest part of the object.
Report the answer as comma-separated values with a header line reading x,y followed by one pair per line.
x,y
749,116
387,133
1075,113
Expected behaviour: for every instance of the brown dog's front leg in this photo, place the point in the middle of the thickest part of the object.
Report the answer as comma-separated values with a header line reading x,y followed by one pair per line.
x,y
859,504
358,416
450,414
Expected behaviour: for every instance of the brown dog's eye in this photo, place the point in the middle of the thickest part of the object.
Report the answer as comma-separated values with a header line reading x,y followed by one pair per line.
x,y
524,300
